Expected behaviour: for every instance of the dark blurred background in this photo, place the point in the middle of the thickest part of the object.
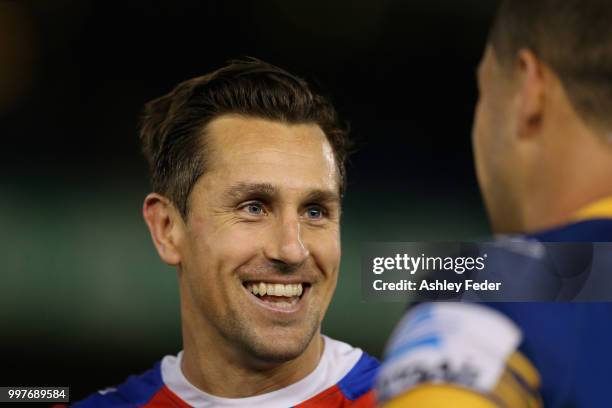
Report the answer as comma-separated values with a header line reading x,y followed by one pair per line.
x,y
84,299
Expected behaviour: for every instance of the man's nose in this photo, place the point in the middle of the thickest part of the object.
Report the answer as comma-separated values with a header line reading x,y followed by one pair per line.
x,y
286,245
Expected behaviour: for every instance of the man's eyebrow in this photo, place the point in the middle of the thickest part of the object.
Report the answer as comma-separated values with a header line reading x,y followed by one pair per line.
x,y
322,196
241,190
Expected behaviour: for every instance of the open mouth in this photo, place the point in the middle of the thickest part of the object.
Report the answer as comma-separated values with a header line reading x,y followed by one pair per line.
x,y
278,296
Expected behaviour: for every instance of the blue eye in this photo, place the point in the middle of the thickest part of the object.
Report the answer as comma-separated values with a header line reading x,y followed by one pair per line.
x,y
314,213
254,209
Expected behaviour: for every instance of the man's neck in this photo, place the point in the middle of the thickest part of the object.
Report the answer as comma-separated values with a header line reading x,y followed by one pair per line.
x,y
562,212
578,180
213,366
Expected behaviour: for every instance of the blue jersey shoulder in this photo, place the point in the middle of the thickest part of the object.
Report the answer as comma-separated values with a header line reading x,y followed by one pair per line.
x,y
569,343
360,379
136,391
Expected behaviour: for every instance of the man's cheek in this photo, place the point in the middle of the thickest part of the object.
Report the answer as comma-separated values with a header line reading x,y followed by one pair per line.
x,y
326,251
234,248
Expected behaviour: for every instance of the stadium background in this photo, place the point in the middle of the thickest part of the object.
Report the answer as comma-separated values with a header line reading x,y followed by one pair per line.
x,y
84,300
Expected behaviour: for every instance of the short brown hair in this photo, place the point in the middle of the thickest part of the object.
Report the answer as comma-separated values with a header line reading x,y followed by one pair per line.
x,y
172,126
573,37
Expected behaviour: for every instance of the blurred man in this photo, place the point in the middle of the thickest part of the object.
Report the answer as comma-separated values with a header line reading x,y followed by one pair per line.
x,y
247,168
542,141
543,148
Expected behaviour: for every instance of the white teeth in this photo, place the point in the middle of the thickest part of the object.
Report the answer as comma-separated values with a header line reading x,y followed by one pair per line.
x,y
285,305
276,289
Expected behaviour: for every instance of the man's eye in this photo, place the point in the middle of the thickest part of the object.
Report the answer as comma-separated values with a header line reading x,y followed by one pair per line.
x,y
254,209
315,213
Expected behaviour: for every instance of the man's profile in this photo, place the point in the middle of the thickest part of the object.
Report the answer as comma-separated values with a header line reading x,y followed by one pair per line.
x,y
247,169
542,129
542,139
544,162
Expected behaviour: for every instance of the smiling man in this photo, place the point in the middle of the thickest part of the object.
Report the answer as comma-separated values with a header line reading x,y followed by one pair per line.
x,y
247,167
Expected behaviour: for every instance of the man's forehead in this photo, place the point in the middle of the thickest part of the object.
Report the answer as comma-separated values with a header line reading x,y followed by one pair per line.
x,y
234,134
250,150
234,128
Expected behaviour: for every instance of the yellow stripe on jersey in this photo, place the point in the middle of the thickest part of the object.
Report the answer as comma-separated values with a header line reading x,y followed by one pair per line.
x,y
599,209
520,365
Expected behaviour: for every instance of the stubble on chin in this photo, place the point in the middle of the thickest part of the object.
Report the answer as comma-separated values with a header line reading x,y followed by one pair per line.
x,y
280,344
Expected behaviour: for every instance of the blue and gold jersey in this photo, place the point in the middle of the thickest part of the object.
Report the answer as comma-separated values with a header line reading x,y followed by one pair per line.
x,y
571,343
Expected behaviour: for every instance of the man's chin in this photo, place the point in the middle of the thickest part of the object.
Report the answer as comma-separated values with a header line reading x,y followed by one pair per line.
x,y
281,347
277,355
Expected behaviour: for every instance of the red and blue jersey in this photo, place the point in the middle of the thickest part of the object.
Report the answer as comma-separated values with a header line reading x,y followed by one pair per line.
x,y
343,378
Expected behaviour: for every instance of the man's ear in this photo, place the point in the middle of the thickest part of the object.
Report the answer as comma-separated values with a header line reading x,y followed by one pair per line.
x,y
165,225
532,86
